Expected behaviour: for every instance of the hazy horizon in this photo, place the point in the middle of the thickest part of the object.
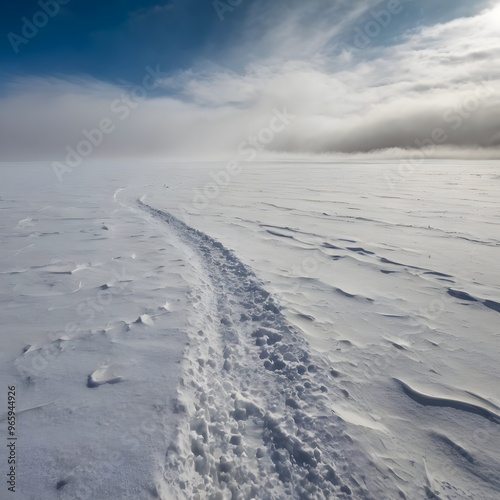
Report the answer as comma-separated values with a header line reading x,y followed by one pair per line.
x,y
379,76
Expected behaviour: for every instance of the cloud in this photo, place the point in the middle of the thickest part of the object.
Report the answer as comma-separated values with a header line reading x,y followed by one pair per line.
x,y
436,81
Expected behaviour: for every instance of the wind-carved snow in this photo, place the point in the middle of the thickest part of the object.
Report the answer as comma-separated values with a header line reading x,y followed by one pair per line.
x,y
396,293
257,420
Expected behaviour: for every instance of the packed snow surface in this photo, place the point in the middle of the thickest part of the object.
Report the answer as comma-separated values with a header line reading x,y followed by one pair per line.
x,y
304,330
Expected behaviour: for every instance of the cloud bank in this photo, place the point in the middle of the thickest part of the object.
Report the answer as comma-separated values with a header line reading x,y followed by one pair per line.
x,y
352,87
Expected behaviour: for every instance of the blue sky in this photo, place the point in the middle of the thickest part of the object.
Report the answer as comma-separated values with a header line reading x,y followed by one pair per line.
x,y
116,39
349,70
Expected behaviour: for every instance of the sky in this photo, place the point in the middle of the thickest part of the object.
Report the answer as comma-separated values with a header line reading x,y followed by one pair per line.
x,y
205,79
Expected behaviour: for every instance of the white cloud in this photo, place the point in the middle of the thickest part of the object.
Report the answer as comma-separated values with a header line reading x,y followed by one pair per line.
x,y
442,76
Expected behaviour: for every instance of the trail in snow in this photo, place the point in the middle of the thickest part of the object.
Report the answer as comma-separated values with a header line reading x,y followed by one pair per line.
x,y
258,423
403,320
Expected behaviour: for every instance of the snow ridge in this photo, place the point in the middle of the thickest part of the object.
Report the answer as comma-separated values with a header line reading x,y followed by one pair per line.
x,y
258,423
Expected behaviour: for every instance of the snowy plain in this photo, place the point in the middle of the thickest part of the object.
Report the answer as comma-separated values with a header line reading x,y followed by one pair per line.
x,y
299,330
